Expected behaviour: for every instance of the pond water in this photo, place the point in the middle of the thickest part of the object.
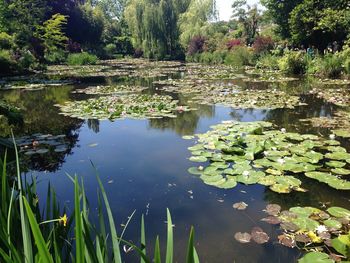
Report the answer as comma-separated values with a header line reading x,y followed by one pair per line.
x,y
143,164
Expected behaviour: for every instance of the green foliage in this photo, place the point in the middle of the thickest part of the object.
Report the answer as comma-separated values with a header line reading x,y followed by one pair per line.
x,y
83,58
6,41
320,22
331,66
268,61
58,56
239,56
124,45
293,62
52,35
7,64
110,50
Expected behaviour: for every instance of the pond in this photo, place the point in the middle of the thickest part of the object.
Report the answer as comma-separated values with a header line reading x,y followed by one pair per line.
x,y
143,161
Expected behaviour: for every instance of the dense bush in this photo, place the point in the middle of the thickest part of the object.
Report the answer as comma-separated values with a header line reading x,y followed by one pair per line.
x,y
58,56
268,61
331,66
293,62
6,62
239,56
263,44
124,45
83,58
73,47
347,66
110,50
6,41
196,45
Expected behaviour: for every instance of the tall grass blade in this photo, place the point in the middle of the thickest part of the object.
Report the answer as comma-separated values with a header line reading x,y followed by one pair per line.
x,y
78,224
4,184
170,240
157,256
27,241
143,238
115,241
126,225
190,250
43,251
98,251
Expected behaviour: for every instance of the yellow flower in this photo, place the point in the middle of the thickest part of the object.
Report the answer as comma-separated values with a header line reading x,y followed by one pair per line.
x,y
63,220
314,238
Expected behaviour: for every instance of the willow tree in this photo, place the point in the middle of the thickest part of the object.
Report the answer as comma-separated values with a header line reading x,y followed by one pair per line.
x,y
196,20
157,25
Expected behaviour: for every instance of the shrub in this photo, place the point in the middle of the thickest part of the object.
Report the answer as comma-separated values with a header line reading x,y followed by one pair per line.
x,y
110,50
263,44
239,56
6,41
138,53
27,61
124,45
206,57
7,64
268,61
83,58
293,62
331,66
58,56
347,66
233,43
196,45
219,56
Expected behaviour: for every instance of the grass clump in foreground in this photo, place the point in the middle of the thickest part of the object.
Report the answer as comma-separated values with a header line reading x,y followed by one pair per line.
x,y
50,236
83,58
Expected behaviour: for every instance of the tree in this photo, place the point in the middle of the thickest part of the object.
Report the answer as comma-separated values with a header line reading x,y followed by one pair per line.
x,y
51,33
320,22
279,12
248,18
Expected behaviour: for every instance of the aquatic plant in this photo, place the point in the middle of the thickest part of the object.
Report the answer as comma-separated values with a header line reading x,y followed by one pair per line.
x,y
28,234
255,153
124,106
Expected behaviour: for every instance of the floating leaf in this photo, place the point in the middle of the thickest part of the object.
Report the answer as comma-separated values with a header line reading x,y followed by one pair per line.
x,y
243,237
273,220
240,206
339,212
259,236
316,257
273,209
286,241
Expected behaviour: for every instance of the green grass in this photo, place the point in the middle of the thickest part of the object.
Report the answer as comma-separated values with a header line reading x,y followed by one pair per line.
x,y
80,59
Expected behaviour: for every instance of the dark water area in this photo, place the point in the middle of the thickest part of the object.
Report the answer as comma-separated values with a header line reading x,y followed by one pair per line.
x,y
143,166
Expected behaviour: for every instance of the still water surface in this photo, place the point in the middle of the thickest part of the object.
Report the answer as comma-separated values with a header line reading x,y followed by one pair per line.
x,y
143,165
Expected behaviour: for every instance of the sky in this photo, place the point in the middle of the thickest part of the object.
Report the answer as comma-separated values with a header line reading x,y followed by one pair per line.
x,y
224,8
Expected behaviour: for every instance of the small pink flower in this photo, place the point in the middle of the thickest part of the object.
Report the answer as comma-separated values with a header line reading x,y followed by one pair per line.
x,y
111,110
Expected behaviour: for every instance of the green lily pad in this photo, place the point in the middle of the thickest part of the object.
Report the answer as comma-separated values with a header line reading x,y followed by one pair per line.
x,y
331,223
316,257
339,212
341,171
199,159
335,164
342,133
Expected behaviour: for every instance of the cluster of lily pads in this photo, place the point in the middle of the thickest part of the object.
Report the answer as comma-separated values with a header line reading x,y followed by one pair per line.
x,y
42,143
326,233
339,97
107,90
124,106
256,153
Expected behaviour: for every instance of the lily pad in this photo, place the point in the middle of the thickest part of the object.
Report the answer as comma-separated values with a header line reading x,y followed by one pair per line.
x,y
243,237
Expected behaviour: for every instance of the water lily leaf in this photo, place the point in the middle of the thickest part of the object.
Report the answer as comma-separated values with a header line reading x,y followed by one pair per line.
x,y
42,151
195,171
243,237
259,236
273,172
316,257
286,241
228,184
280,188
267,180
341,171
199,159
336,149
331,223
342,133
304,211
273,220
273,209
289,226
240,206
338,156
335,164
339,212
341,244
